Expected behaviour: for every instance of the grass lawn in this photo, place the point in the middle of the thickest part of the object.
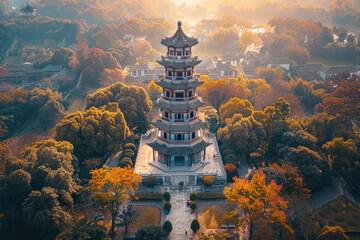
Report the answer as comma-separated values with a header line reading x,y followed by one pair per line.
x,y
146,215
209,215
76,104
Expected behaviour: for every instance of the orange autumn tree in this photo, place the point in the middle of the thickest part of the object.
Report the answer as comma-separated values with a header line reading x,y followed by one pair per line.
x,y
261,201
111,187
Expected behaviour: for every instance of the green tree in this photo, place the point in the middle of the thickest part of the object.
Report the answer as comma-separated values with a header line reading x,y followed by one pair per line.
x,y
233,106
151,233
167,227
343,155
195,225
62,57
84,229
42,209
95,131
150,181
133,102
243,134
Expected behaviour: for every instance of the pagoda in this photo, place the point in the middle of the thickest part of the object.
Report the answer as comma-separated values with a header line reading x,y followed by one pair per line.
x,y
179,141
177,149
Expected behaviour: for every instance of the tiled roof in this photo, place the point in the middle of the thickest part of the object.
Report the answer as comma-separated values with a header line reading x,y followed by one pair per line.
x,y
179,106
179,126
338,69
180,84
179,39
179,150
179,63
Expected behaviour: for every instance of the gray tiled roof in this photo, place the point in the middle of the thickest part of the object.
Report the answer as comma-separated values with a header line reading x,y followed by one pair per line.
x,y
179,150
179,39
179,126
179,106
338,69
191,62
179,84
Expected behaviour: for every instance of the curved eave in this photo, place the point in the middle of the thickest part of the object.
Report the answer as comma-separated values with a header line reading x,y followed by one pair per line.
x,y
179,84
179,63
179,106
178,150
179,126
179,40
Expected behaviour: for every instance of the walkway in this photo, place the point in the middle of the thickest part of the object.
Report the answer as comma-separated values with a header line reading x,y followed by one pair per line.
x,y
180,215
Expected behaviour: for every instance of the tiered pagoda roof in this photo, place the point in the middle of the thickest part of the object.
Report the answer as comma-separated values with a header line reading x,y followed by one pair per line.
x,y
179,126
28,9
182,150
190,62
179,39
181,84
179,106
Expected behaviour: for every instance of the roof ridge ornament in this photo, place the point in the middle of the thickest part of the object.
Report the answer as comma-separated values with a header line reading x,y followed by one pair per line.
x,y
179,24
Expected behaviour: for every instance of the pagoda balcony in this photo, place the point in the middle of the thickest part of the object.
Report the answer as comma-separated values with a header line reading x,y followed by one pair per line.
x,y
179,141
180,78
179,99
178,120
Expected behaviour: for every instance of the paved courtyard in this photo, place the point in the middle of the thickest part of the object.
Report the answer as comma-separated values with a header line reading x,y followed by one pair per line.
x,y
180,215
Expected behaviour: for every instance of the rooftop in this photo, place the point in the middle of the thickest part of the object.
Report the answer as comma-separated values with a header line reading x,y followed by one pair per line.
x,y
179,106
183,63
179,126
146,166
180,84
179,39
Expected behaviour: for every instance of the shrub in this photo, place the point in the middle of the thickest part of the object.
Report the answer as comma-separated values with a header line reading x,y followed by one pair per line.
x,y
149,196
167,227
230,157
225,146
150,181
208,180
166,196
167,206
210,196
130,146
126,162
195,225
129,151
228,152
193,205
192,196
231,171
128,154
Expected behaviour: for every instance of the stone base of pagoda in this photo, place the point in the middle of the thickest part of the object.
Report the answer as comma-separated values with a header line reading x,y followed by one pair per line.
x,y
148,164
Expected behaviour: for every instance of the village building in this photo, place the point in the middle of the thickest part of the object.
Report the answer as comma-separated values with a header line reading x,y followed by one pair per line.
x,y
180,148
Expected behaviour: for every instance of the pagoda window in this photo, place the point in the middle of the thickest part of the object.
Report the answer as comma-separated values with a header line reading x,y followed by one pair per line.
x,y
166,114
187,53
192,114
179,116
165,135
179,95
189,73
190,94
167,94
178,53
193,135
179,137
169,73
171,53
179,74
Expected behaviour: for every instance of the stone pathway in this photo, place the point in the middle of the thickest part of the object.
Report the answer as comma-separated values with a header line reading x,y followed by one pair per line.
x,y
180,215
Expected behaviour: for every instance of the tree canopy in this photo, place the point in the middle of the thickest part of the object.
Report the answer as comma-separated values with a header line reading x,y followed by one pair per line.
x,y
133,101
95,131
